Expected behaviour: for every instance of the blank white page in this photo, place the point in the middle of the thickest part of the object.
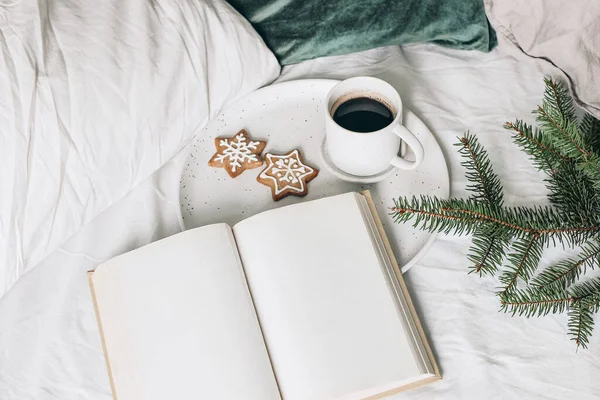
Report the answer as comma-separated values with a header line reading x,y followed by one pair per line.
x,y
179,323
328,315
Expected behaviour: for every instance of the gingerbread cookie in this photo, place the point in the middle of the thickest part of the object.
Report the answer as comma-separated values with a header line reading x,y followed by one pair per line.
x,y
237,154
287,174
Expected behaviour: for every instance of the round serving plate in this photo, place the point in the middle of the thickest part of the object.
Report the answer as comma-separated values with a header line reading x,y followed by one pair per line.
x,y
289,116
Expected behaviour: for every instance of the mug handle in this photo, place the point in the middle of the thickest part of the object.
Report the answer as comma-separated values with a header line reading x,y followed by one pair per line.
x,y
415,145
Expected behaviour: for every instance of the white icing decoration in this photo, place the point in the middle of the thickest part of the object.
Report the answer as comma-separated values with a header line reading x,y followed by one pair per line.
x,y
288,169
237,151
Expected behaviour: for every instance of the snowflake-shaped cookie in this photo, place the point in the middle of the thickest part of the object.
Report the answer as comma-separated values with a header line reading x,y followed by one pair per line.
x,y
237,154
287,174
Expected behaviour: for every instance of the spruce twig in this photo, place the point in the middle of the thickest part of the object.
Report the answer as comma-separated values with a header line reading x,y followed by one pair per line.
x,y
587,294
557,98
531,303
564,273
543,154
573,194
580,325
485,184
488,243
487,251
569,152
590,132
522,262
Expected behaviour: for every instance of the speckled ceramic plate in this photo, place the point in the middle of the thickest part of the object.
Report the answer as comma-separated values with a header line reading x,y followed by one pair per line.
x,y
289,115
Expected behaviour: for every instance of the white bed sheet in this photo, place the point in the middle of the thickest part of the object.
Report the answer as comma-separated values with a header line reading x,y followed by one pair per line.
x,y
96,96
49,342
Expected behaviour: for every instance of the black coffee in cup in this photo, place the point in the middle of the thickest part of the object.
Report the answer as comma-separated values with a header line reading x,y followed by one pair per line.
x,y
363,114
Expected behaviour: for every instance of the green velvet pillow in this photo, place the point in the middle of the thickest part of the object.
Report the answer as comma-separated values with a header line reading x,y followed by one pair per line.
x,y
298,30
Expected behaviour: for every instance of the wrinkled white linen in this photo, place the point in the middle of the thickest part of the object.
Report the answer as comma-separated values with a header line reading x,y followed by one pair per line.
x,y
96,96
561,37
49,342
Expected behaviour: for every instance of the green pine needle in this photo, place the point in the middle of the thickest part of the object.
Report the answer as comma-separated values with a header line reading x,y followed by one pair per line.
x,y
522,262
485,184
558,99
556,114
488,249
581,325
587,294
591,168
573,194
539,147
464,216
489,243
569,152
564,273
535,303
589,127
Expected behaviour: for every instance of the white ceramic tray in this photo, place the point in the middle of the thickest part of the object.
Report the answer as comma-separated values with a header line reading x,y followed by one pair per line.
x,y
290,115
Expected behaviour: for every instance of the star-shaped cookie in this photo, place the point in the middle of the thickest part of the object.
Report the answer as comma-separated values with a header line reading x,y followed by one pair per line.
x,y
237,154
287,174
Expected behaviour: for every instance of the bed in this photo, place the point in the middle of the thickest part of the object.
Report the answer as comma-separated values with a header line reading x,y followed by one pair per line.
x,y
49,342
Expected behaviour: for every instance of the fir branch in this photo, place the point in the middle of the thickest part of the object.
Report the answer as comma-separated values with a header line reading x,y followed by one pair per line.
x,y
558,98
523,262
557,118
569,142
569,152
564,273
487,250
581,325
541,221
428,215
581,301
485,184
589,127
587,294
573,194
591,168
464,216
542,153
531,302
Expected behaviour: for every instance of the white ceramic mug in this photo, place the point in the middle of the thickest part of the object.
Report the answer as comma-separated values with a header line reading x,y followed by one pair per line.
x,y
368,153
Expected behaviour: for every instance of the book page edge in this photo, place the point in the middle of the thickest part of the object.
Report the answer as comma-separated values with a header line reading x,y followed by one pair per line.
x,y
99,321
403,388
413,311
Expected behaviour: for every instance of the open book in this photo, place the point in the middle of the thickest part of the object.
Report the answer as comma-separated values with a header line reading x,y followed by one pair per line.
x,y
298,303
